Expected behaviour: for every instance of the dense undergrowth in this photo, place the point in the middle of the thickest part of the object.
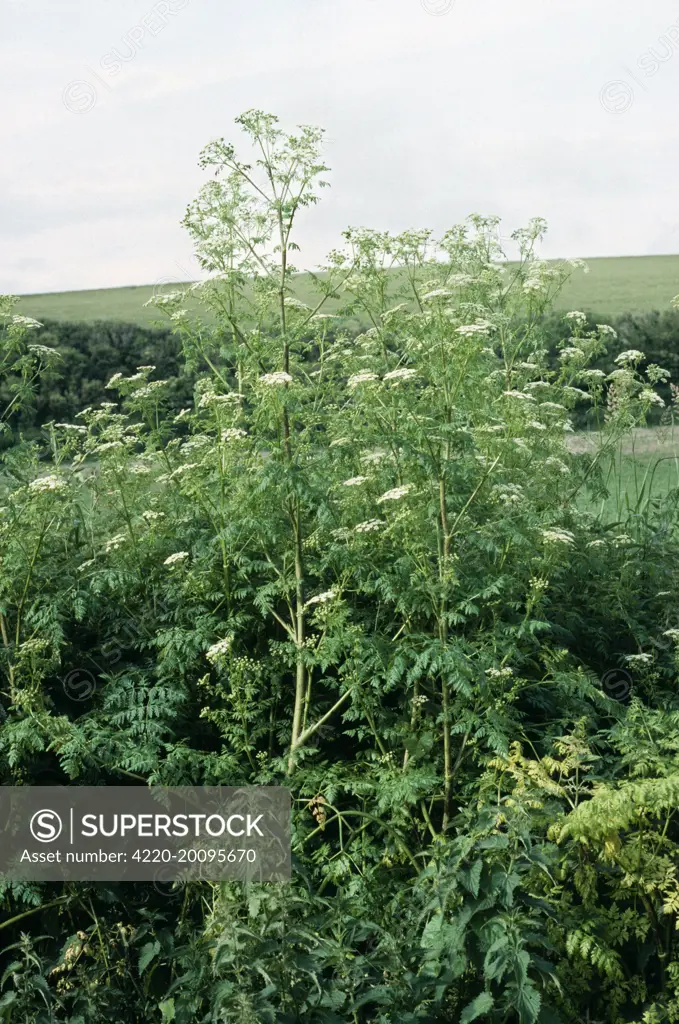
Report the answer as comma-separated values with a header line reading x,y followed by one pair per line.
x,y
359,567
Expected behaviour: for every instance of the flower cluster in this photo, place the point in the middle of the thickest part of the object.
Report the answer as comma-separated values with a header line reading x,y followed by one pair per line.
x,y
558,537
178,556
369,526
48,483
395,493
361,378
323,598
402,374
219,650
275,379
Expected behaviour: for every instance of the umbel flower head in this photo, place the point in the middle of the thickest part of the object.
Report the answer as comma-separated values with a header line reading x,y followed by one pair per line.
x,y
219,650
48,483
275,379
631,355
178,556
404,373
323,598
361,378
395,493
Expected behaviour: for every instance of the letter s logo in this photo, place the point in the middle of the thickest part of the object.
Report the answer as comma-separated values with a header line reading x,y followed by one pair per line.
x,y
46,826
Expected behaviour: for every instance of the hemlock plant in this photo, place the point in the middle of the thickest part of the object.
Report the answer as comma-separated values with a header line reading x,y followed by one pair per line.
x,y
364,568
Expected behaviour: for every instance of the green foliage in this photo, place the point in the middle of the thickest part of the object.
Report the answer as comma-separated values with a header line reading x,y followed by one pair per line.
x,y
357,566
87,356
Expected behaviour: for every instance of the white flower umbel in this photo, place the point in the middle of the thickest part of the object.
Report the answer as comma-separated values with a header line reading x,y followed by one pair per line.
x,y
178,556
558,537
43,350
323,598
480,327
403,374
396,493
576,315
438,293
519,394
26,321
233,434
354,481
48,483
630,356
276,379
361,378
108,446
149,389
219,650
115,542
638,659
369,526
72,428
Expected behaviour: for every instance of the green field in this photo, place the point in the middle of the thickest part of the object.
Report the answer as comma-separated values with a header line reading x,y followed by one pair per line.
x,y
645,466
614,285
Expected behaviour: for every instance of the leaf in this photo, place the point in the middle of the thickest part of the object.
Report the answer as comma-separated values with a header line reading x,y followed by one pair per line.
x,y
498,842
482,1004
471,877
380,994
148,951
167,1009
528,1003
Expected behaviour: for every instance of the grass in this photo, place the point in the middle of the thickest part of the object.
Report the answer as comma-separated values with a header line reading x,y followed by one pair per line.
x,y
645,466
614,285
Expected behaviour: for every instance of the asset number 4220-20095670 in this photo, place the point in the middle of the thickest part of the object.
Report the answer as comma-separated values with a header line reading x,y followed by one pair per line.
x,y
193,856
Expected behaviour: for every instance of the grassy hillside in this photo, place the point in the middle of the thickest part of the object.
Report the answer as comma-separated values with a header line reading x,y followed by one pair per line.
x,y
613,285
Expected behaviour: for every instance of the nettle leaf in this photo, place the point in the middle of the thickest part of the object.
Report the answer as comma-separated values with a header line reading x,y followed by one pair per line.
x,y
527,1001
148,952
479,1006
167,1009
471,877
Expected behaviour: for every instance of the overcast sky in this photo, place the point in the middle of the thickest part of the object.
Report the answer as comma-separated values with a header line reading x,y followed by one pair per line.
x,y
434,109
